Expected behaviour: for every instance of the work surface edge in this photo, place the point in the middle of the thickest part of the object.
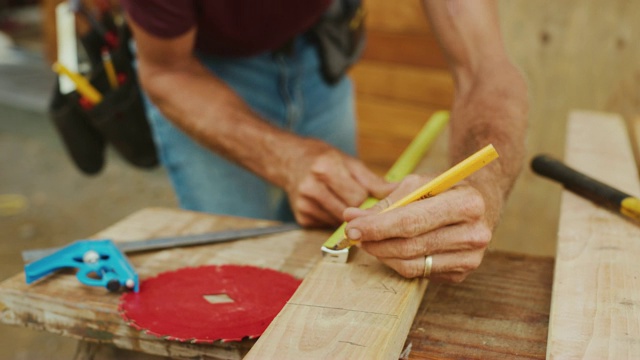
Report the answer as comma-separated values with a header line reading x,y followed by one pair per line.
x,y
595,309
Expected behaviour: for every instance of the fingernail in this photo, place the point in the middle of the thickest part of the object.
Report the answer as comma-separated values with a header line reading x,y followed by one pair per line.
x,y
354,234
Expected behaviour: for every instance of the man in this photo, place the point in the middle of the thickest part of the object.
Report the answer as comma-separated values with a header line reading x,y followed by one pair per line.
x,y
246,125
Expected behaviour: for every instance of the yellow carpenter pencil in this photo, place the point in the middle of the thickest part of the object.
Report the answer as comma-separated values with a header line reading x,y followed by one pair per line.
x,y
109,69
441,183
83,85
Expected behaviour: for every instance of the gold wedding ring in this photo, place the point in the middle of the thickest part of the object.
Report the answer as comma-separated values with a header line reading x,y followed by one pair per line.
x,y
428,262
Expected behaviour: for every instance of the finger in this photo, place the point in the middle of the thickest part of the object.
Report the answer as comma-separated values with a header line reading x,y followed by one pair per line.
x,y
340,181
308,213
376,185
452,238
353,212
314,194
400,190
460,204
448,267
406,186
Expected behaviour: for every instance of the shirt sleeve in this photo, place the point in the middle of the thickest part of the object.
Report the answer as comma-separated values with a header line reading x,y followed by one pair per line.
x,y
162,18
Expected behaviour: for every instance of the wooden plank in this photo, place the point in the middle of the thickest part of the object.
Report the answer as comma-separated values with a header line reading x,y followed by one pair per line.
x,y
358,310
501,311
633,124
388,16
385,127
60,304
422,86
595,308
420,50
333,313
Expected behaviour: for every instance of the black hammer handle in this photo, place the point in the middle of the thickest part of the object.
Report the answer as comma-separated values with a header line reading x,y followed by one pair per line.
x,y
585,186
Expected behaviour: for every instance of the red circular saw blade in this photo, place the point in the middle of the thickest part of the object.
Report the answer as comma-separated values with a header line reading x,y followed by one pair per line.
x,y
172,305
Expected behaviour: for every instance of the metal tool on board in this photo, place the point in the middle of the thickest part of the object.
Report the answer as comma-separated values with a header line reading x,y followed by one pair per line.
x,y
99,263
103,263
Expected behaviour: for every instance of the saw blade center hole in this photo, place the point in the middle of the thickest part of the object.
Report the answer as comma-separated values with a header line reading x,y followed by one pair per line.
x,y
218,298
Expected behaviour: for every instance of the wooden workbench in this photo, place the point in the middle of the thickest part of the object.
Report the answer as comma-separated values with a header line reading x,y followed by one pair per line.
x,y
501,311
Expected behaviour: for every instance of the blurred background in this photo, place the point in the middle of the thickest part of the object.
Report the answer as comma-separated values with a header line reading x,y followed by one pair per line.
x,y
575,55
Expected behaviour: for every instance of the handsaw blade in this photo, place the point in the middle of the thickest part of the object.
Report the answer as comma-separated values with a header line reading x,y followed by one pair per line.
x,y
178,241
253,297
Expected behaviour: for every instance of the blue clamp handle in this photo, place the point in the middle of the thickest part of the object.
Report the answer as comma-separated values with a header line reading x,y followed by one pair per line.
x,y
99,263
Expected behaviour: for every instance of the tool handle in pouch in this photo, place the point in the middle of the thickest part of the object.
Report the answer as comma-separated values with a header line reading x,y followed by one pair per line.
x,y
579,183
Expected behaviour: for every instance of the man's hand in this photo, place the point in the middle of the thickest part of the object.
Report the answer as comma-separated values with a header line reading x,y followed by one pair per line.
x,y
323,182
451,227
490,107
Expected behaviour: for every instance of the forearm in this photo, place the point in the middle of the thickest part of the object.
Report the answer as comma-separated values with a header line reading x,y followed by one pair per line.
x,y
215,116
491,101
492,111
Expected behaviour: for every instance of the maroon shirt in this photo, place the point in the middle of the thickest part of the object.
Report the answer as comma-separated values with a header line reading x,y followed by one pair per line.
x,y
228,27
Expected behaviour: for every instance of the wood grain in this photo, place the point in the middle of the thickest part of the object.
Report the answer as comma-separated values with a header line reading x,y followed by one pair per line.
x,y
421,50
633,125
388,17
501,311
389,128
595,309
412,85
358,310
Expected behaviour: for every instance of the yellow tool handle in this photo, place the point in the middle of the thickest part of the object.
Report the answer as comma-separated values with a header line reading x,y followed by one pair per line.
x,y
404,165
109,69
83,85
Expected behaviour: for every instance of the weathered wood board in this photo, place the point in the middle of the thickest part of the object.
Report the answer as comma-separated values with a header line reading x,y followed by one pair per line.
x,y
358,310
595,308
501,311
60,304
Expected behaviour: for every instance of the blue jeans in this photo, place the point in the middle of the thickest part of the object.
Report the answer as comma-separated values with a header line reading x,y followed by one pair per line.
x,y
285,90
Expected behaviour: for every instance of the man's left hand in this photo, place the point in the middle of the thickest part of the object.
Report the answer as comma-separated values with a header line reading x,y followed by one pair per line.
x,y
451,227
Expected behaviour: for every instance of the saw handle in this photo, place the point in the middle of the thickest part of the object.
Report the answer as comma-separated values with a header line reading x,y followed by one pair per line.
x,y
579,183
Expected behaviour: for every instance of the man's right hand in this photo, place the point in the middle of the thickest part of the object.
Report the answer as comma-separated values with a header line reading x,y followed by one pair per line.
x,y
321,181
324,181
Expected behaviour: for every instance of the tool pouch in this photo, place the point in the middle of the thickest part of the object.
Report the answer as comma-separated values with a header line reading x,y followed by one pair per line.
x,y
83,142
340,38
118,120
